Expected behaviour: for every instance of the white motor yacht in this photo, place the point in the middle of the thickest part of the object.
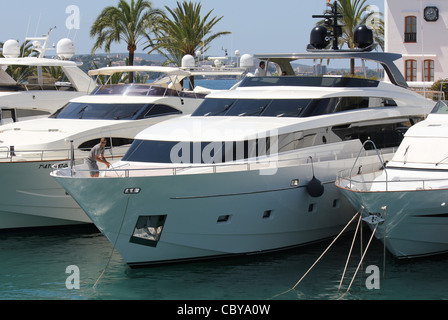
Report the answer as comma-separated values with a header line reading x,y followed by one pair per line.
x,y
406,201
29,197
34,92
252,170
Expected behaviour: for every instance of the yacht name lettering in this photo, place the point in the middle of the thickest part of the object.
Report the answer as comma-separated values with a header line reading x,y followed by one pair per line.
x,y
50,165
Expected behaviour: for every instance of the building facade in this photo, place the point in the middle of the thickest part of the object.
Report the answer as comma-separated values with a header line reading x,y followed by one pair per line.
x,y
418,29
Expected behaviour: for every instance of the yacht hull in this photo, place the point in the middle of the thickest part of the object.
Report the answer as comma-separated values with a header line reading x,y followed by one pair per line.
x,y
415,222
210,215
29,197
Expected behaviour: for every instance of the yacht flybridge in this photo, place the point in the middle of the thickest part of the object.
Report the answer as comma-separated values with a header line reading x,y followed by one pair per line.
x,y
252,170
117,112
32,91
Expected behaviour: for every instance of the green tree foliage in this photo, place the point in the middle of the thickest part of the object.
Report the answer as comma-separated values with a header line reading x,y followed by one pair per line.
x,y
183,32
126,22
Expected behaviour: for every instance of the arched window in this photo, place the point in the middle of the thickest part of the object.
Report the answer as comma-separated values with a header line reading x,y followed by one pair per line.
x,y
428,70
411,70
410,29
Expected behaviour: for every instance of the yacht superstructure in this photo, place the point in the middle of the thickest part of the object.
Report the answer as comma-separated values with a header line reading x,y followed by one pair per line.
x,y
35,93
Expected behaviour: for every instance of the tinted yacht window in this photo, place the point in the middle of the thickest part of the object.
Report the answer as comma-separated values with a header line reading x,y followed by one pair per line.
x,y
110,142
440,107
150,151
112,111
214,107
320,106
285,108
196,152
334,82
248,107
161,110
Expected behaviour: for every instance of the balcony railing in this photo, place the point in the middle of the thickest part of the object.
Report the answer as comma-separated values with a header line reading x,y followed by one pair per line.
x,y
410,37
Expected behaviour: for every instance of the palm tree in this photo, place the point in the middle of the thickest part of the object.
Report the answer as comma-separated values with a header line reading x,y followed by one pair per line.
x,y
356,13
184,33
126,22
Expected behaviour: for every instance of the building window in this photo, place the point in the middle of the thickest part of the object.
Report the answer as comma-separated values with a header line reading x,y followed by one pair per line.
x,y
411,70
428,72
410,29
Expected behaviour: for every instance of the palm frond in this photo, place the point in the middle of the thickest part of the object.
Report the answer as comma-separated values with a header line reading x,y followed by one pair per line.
x,y
182,31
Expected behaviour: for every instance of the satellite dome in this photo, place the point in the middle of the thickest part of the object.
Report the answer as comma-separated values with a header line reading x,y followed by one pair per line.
x,y
218,63
246,61
11,49
188,61
65,49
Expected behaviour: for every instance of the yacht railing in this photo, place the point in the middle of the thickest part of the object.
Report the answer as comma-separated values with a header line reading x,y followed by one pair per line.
x,y
267,163
10,154
47,87
377,153
371,183
347,176
367,180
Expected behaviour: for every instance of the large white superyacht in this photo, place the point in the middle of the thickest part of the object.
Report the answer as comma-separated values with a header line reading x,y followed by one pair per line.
x,y
29,197
252,170
27,88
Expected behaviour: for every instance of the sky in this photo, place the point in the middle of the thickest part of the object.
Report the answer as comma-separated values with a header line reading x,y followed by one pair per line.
x,y
262,26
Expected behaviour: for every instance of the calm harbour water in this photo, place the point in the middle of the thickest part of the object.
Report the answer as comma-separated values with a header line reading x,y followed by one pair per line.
x,y
33,266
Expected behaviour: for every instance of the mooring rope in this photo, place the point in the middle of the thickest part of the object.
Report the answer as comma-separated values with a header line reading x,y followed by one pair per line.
x,y
350,253
306,273
360,262
115,243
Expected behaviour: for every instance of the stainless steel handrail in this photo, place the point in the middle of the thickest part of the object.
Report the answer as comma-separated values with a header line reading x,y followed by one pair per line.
x,y
246,165
379,157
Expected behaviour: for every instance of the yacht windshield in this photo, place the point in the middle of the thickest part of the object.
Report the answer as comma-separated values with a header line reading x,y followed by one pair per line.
x,y
108,111
144,90
441,107
133,90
